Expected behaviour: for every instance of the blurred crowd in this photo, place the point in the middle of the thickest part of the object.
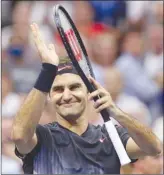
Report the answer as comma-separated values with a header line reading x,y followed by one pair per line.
x,y
124,40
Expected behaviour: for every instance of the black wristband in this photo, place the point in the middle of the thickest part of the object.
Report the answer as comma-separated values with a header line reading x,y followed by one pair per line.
x,y
46,77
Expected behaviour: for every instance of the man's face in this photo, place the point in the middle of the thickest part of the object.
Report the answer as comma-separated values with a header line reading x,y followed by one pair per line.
x,y
69,96
134,44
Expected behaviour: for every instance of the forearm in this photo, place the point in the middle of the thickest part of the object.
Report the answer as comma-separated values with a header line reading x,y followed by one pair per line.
x,y
141,134
29,115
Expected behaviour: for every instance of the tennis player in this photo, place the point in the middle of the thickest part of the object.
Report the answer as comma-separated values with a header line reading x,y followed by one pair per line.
x,y
72,145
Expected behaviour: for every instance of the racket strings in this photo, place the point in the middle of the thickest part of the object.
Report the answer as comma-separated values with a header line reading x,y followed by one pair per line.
x,y
74,42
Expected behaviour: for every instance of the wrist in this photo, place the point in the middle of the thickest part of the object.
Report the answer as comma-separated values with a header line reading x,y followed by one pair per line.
x,y
115,111
46,77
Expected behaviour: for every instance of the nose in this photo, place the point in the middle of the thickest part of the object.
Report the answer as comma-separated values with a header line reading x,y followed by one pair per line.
x,y
66,96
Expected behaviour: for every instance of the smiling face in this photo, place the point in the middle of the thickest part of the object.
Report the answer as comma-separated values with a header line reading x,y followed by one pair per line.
x,y
69,96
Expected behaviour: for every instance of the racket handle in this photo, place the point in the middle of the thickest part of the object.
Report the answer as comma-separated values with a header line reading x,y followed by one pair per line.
x,y
117,143
105,115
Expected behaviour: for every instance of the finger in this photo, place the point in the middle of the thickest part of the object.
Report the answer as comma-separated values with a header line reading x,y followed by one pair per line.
x,y
95,94
37,36
95,83
52,50
100,108
33,30
98,92
51,47
100,102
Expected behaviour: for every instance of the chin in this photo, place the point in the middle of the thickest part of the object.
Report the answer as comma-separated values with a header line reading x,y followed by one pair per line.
x,y
71,117
70,114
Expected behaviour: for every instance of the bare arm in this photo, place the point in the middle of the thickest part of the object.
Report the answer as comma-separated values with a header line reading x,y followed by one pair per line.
x,y
143,141
25,123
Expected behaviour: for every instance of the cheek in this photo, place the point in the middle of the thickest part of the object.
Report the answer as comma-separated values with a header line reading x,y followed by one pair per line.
x,y
80,95
55,98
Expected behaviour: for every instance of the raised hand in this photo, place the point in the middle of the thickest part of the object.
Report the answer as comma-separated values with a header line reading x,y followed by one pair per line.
x,y
47,54
105,102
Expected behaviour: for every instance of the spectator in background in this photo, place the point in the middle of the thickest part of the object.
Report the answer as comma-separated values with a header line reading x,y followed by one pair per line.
x,y
23,70
6,13
148,165
136,13
104,49
104,53
111,13
131,104
83,16
153,62
130,64
157,11
20,22
140,14
20,58
152,165
10,101
10,163
154,56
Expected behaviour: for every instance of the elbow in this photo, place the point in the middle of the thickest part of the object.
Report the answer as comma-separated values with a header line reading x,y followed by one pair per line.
x,y
157,150
17,136
156,153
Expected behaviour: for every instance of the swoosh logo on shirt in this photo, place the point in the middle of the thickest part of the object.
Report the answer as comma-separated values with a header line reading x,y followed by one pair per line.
x,y
102,139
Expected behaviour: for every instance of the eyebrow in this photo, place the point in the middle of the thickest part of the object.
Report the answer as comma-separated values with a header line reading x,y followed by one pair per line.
x,y
61,86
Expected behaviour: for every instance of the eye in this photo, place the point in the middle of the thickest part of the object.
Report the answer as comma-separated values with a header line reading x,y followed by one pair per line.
x,y
58,89
74,87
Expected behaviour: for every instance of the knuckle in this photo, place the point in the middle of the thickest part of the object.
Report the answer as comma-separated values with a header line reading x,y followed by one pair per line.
x,y
98,101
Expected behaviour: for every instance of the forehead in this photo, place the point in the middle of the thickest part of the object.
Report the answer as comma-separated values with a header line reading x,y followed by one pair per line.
x,y
67,79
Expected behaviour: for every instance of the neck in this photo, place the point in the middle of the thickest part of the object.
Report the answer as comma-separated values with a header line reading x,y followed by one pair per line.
x,y
78,126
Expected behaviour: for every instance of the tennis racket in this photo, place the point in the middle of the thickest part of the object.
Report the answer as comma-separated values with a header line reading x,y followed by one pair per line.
x,y
79,57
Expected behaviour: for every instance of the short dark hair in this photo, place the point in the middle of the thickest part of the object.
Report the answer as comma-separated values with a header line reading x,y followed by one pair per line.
x,y
66,66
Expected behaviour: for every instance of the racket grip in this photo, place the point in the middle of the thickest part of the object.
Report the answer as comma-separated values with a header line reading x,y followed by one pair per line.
x,y
117,143
105,115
